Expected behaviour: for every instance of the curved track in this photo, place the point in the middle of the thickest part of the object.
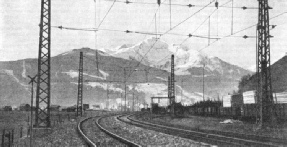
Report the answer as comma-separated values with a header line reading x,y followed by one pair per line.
x,y
210,138
83,135
115,136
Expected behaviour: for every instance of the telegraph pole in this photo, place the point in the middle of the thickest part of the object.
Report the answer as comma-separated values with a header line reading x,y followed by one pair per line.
x,y
80,87
42,113
203,81
133,101
138,102
172,90
32,80
146,74
107,96
125,89
97,62
121,102
168,90
265,96
181,89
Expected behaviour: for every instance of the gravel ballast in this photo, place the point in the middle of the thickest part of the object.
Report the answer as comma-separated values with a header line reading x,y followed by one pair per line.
x,y
145,137
99,137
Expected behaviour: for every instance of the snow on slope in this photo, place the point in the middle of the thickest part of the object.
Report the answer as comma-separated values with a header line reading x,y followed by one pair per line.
x,y
155,89
105,86
72,73
75,74
11,74
156,53
24,70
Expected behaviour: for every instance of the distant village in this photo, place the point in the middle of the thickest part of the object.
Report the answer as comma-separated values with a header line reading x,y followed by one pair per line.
x,y
86,107
27,107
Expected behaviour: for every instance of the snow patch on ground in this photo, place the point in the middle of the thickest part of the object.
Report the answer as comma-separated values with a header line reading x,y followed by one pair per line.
x,y
187,98
66,53
105,75
90,54
11,74
161,78
181,71
152,88
111,87
24,70
72,74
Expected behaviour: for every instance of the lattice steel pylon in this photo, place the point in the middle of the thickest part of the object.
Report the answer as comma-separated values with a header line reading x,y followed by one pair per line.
x,y
265,98
168,89
172,93
42,114
80,87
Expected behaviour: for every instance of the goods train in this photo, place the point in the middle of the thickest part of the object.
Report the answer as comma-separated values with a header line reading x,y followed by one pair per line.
x,y
238,106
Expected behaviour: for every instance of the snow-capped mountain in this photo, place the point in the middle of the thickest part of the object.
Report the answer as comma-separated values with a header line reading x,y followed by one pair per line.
x,y
15,90
220,77
157,53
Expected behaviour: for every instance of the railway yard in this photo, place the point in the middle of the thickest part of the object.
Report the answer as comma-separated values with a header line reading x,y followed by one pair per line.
x,y
137,130
163,90
144,129
108,128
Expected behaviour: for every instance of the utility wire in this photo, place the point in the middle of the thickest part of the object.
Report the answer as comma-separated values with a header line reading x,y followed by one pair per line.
x,y
106,14
232,35
170,30
227,36
154,18
133,32
204,22
184,5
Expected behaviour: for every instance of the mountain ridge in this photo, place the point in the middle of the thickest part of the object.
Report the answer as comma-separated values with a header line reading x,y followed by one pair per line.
x,y
64,72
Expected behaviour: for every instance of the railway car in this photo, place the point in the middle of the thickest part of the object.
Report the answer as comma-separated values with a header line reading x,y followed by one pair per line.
x,y
242,106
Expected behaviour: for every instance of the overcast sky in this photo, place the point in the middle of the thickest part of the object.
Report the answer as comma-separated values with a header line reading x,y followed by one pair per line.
x,y
19,31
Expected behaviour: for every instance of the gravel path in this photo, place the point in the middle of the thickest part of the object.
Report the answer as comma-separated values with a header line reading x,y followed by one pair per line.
x,y
145,137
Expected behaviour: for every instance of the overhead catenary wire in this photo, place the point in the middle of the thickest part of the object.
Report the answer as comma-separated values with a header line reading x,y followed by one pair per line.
x,y
132,32
172,29
207,18
232,18
168,33
182,5
227,36
232,35
154,18
107,14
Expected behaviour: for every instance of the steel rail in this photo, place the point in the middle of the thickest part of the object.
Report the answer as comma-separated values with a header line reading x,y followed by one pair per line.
x,y
115,136
196,135
83,135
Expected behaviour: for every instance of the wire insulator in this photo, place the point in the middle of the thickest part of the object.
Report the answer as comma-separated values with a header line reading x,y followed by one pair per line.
x,y
190,5
158,2
216,4
127,31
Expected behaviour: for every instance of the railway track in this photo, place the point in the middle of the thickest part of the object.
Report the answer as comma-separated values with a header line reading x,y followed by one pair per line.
x,y
211,138
87,140
92,143
115,136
